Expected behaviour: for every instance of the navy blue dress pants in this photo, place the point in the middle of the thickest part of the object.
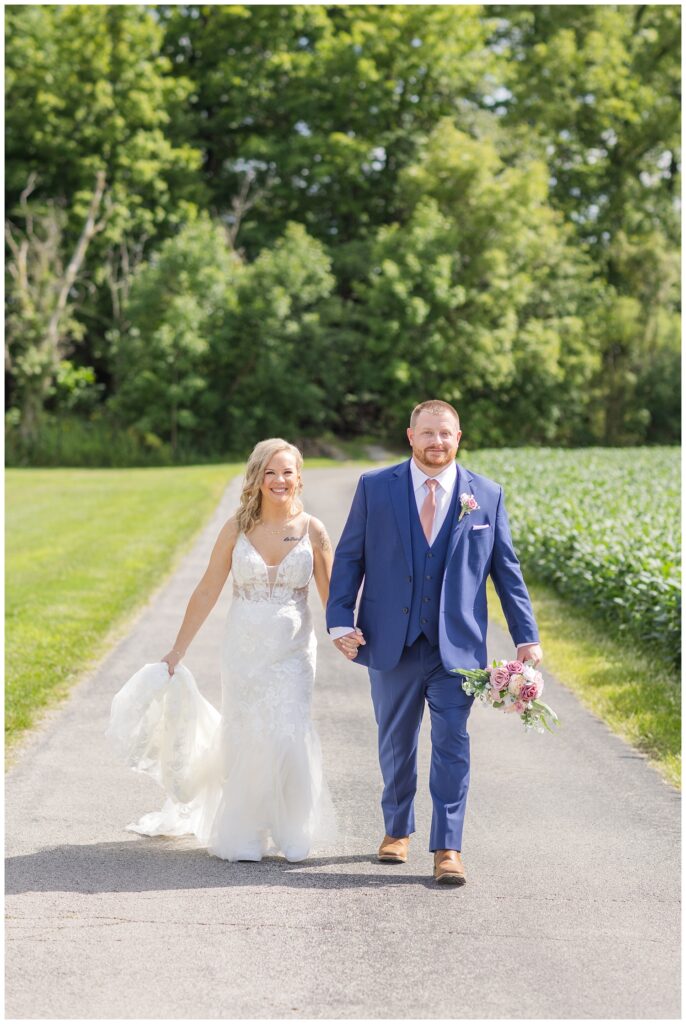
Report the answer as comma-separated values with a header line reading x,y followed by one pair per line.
x,y
399,696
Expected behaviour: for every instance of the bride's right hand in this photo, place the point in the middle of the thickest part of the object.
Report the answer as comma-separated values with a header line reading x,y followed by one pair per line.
x,y
172,659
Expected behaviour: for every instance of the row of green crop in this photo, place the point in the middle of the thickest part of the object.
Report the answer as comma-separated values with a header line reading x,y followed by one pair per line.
x,y
602,525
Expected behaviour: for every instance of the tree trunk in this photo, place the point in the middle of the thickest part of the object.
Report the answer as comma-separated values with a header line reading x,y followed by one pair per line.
x,y
42,290
31,409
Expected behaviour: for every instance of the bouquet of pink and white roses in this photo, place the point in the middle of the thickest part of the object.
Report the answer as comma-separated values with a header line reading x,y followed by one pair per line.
x,y
513,687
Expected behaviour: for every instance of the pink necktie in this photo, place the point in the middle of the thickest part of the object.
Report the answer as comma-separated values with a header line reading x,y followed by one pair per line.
x,y
428,513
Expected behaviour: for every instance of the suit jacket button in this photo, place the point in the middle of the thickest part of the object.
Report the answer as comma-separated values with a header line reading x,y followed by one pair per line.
x,y
409,579
406,611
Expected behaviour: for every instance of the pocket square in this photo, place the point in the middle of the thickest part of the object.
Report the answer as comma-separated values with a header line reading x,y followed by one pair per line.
x,y
481,526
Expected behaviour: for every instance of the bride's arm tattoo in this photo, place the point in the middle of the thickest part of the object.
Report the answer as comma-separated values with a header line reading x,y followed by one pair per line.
x,y
324,542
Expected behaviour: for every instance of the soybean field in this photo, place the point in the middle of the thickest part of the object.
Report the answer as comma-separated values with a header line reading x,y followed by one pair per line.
x,y
603,526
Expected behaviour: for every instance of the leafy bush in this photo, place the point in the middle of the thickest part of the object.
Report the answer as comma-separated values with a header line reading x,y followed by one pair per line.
x,y
602,525
72,441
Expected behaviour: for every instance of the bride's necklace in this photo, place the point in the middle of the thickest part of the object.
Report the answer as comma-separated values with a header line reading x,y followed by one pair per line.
x,y
279,532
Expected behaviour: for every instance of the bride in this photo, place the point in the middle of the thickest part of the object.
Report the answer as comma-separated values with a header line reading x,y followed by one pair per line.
x,y
249,781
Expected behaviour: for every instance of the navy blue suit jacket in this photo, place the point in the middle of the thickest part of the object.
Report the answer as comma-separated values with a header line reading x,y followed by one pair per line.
x,y
375,550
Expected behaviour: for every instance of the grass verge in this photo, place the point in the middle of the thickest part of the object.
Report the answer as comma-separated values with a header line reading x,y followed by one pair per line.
x,y
638,698
84,549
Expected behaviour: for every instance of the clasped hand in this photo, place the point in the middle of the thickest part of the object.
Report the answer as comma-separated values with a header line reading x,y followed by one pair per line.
x,y
349,643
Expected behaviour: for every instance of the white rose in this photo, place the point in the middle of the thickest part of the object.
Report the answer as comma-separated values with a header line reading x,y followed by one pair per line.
x,y
515,685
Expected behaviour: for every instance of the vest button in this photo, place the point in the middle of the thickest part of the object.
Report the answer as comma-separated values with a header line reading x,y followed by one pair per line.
x,y
429,554
424,621
428,577
426,600
405,611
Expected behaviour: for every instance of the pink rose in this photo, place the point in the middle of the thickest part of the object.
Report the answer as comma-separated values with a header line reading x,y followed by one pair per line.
x,y
529,692
494,695
533,688
514,667
519,706
471,503
500,677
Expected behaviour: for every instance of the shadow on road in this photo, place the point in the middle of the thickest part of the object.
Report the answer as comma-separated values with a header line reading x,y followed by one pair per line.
x,y
154,865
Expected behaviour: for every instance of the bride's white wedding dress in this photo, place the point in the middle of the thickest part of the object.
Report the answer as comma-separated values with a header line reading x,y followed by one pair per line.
x,y
247,782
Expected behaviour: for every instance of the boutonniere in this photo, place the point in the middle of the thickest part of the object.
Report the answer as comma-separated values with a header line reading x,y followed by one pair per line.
x,y
468,503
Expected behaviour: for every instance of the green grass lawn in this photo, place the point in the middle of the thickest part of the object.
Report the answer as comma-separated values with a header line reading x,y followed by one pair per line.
x,y
84,549
637,697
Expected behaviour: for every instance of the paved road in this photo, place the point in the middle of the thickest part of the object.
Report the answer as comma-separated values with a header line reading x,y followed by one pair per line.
x,y
571,909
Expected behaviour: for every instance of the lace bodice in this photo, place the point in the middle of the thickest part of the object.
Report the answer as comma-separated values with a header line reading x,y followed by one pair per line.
x,y
254,580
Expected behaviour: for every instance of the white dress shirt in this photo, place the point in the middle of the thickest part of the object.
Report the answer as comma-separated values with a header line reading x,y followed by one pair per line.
x,y
444,492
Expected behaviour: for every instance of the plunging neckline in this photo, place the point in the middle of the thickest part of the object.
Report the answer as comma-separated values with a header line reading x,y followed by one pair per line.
x,y
290,552
271,583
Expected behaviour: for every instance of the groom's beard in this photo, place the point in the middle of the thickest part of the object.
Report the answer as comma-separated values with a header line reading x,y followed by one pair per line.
x,y
435,458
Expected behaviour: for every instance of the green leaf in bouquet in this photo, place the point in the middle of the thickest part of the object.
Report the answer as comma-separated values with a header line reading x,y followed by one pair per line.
x,y
545,711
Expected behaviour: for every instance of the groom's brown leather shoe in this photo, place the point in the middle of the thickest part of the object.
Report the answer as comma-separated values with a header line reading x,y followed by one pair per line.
x,y
394,851
448,867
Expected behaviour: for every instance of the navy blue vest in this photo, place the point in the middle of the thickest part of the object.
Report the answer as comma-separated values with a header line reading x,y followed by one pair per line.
x,y
428,567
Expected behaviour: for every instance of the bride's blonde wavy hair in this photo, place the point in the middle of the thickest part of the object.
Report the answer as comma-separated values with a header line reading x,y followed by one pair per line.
x,y
250,507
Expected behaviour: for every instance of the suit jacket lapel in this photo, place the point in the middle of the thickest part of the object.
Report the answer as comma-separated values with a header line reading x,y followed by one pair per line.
x,y
399,488
463,484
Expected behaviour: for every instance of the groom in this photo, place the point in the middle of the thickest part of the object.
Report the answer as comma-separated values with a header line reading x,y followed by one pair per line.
x,y
424,536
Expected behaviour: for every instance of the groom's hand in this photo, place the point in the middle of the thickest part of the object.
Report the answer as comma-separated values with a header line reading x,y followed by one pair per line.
x,y
349,643
530,652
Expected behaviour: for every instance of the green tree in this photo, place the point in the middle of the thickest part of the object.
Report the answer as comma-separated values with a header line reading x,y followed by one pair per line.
x,y
220,351
274,373
88,91
163,359
601,84
478,201
480,296
324,106
639,341
41,327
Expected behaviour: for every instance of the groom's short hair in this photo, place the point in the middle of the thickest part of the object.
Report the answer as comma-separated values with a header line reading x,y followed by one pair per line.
x,y
436,406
